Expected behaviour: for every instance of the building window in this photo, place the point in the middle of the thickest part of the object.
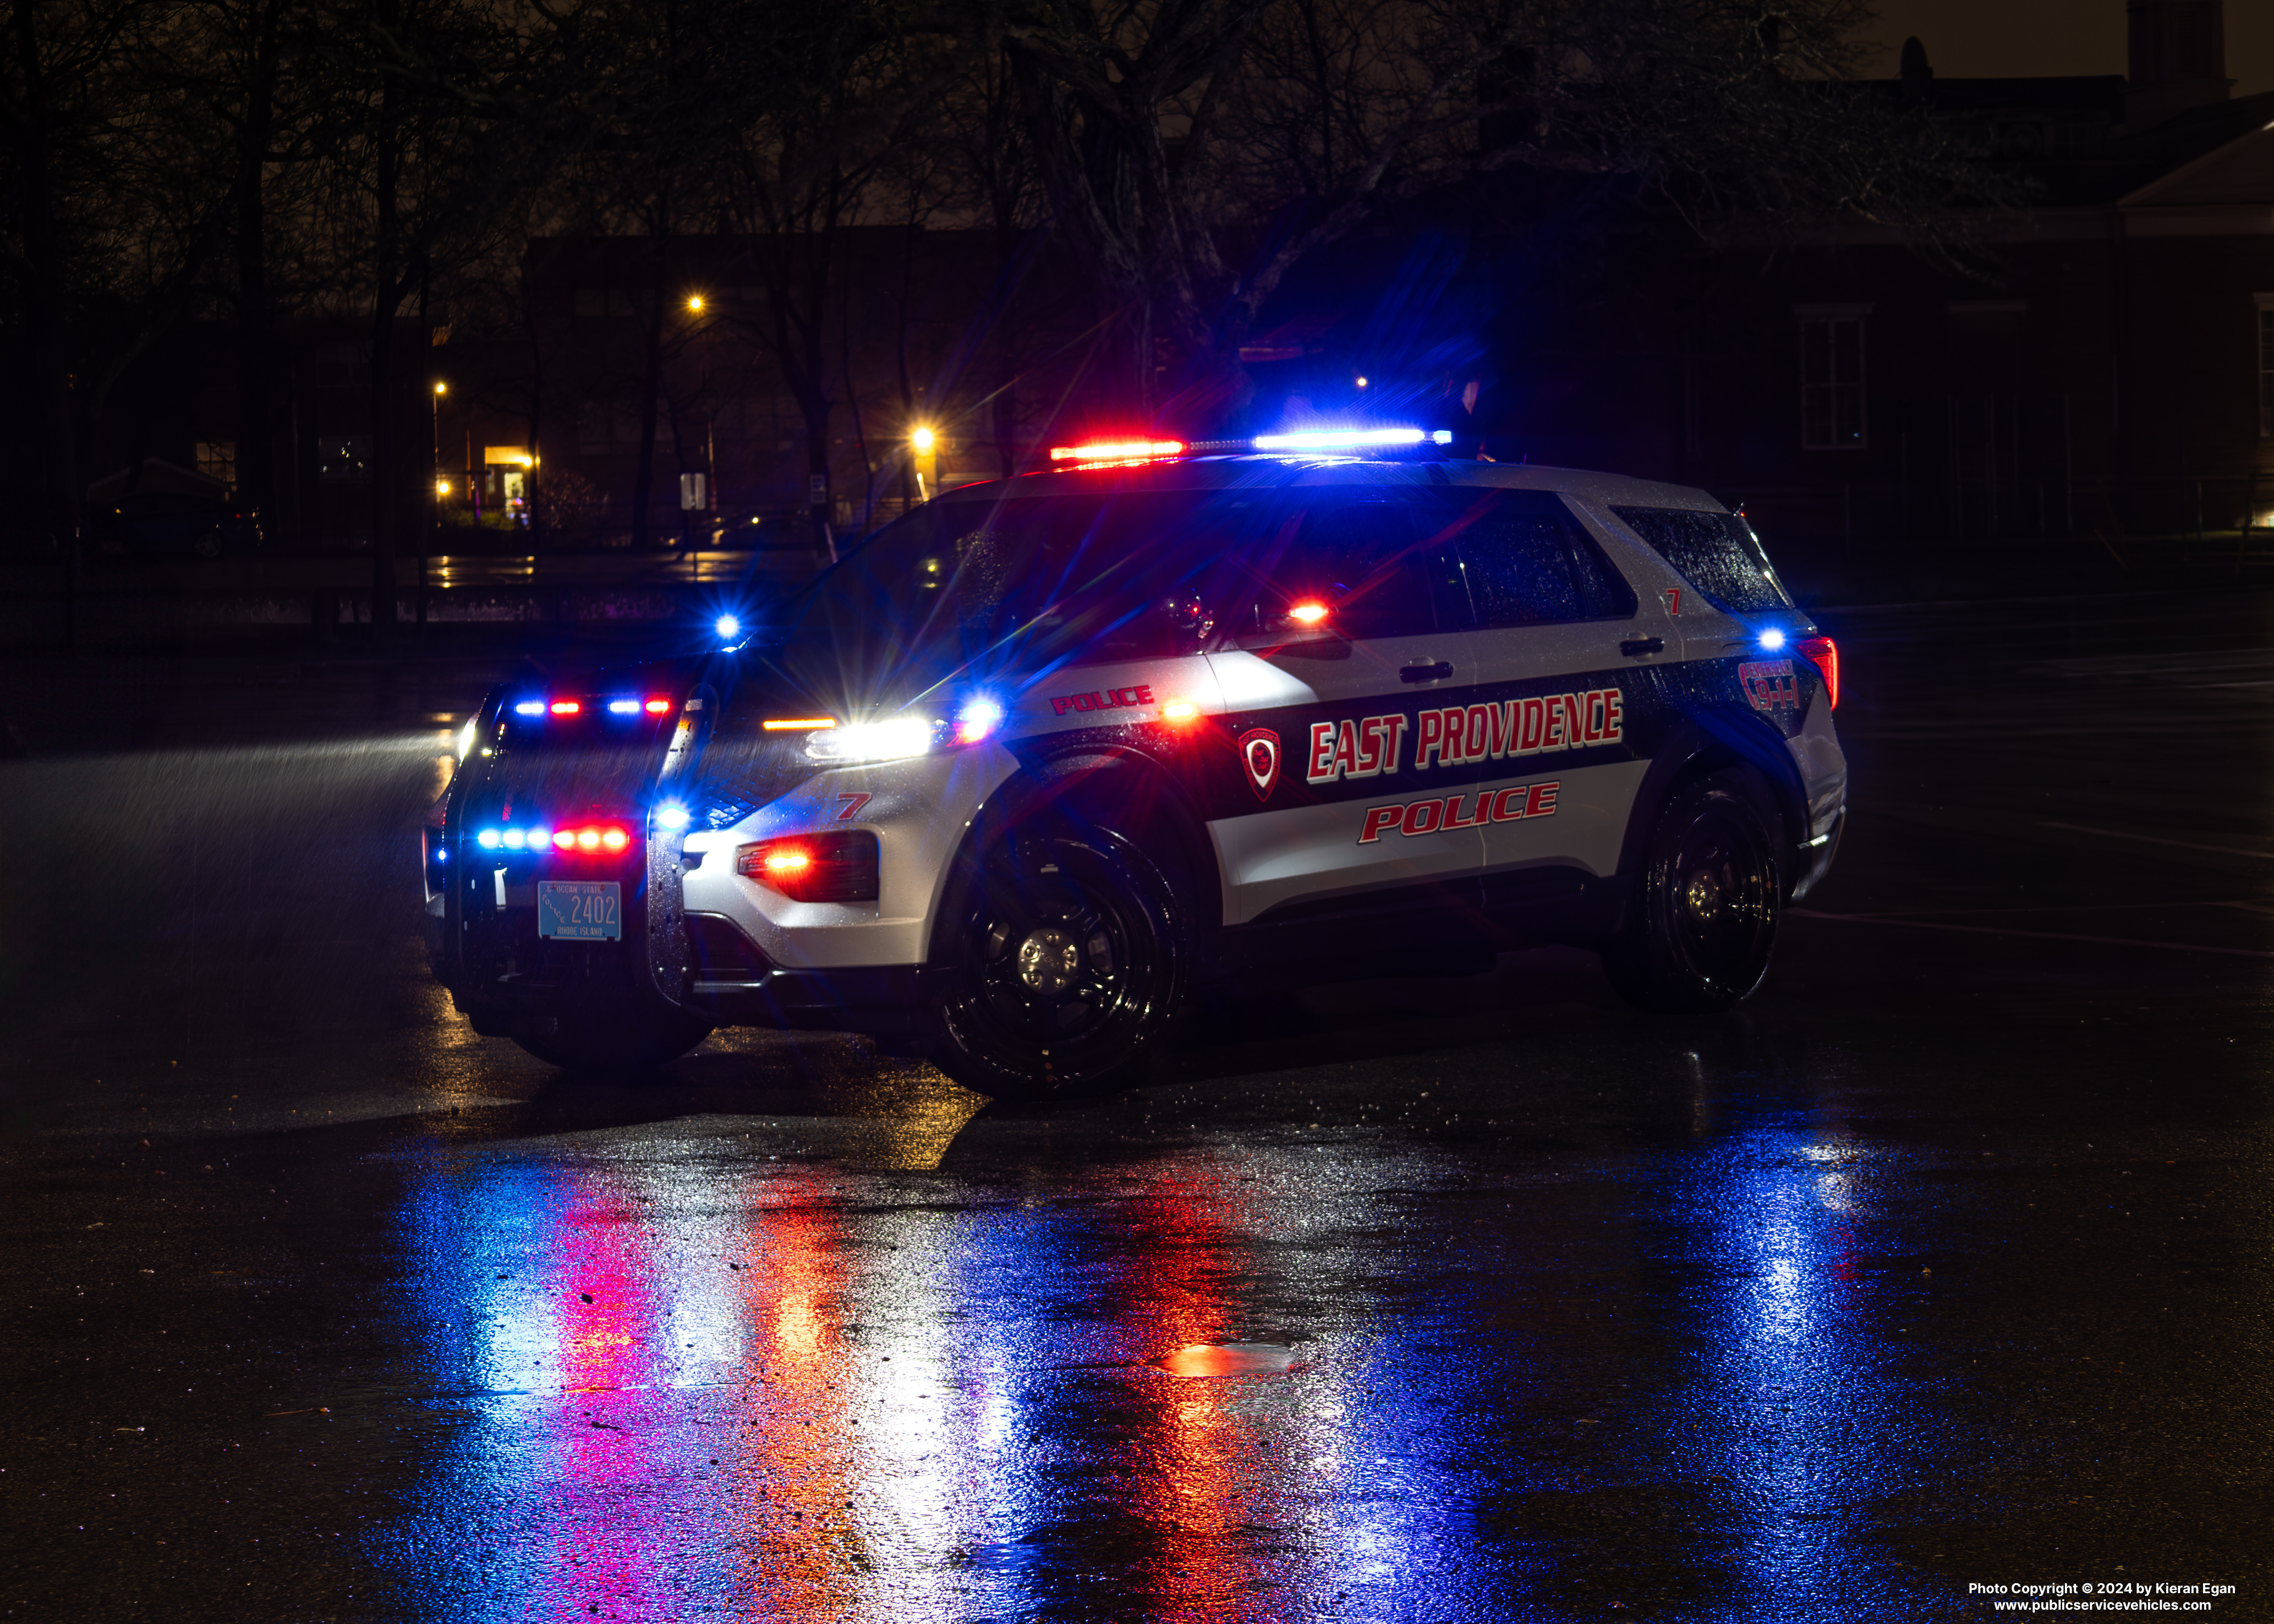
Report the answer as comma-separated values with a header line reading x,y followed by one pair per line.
x,y
2266,365
1831,416
217,460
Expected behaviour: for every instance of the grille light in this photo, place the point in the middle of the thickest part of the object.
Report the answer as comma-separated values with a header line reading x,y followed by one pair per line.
x,y
588,837
840,866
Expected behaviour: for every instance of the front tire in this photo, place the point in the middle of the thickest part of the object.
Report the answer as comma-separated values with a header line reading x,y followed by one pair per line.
x,y
208,544
1706,922
1071,960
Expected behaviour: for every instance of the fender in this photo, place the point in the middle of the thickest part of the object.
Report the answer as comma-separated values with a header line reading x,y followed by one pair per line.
x,y
1118,789
1705,737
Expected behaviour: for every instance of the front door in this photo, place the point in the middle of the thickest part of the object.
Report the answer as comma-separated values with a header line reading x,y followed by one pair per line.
x,y
1338,618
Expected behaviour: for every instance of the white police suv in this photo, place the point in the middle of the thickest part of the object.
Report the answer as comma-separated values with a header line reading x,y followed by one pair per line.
x,y
1051,758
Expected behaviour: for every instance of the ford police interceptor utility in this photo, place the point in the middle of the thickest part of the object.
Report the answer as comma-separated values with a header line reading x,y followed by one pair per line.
x,y
1051,759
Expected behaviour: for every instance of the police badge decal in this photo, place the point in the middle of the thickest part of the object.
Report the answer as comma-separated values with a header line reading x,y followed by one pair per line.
x,y
1259,753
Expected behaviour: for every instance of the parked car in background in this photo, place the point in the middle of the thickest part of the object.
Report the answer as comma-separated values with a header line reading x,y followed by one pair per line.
x,y
153,523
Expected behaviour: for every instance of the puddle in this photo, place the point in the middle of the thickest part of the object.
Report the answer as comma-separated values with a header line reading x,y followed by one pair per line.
x,y
1211,1360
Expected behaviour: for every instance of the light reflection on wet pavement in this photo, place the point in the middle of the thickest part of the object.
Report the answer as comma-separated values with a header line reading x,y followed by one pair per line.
x,y
1945,1260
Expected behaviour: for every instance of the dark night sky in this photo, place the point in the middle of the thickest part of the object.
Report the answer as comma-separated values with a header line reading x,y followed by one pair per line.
x,y
1996,39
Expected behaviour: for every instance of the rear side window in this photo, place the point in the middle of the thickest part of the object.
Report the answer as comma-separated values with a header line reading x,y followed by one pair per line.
x,y
1528,561
1716,552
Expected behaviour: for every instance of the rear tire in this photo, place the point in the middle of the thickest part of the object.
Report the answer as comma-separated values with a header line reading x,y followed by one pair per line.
x,y
1071,961
1705,924
638,1039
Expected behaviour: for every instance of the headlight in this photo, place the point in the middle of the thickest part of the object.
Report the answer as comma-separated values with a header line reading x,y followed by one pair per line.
x,y
466,737
896,739
899,737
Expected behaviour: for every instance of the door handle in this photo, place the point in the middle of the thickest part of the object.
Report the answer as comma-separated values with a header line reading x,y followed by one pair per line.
x,y
1426,673
1635,648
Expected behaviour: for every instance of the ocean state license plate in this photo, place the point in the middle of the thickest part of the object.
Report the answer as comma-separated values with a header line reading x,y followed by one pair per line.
x,y
580,910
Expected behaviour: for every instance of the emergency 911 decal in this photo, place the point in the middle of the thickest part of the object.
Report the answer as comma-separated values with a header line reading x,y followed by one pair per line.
x,y
1459,734
1444,812
1769,684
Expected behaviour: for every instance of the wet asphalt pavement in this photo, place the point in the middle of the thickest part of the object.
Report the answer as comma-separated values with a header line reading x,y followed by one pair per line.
x,y
1947,1261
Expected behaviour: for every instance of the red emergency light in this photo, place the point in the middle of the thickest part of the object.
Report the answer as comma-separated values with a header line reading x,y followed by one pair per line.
x,y
1117,451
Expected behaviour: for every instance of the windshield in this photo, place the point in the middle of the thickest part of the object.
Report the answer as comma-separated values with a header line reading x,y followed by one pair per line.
x,y
966,588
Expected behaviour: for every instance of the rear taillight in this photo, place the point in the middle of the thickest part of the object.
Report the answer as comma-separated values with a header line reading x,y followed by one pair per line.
x,y
1824,654
837,866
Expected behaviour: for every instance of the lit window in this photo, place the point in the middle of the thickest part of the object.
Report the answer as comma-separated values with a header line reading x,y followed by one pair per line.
x,y
1832,417
217,460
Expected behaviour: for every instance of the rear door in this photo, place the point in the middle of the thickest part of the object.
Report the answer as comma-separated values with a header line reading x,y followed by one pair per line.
x,y
1565,694
1336,616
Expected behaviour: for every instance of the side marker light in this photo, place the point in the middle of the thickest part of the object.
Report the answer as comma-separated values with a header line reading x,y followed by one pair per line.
x,y
672,816
1180,711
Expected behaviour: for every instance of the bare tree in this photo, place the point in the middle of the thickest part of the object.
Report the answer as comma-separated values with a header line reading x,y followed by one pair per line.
x,y
440,107
850,85
1196,151
113,207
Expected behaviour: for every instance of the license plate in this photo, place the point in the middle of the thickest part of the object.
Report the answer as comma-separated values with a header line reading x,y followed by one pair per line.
x,y
580,910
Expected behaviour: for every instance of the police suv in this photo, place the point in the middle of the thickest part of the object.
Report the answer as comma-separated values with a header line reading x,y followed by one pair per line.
x,y
1052,759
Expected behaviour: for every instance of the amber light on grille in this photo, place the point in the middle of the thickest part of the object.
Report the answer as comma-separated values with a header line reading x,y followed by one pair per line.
x,y
837,867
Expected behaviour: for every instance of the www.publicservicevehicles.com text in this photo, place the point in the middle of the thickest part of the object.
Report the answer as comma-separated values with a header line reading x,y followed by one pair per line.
x,y
2123,1596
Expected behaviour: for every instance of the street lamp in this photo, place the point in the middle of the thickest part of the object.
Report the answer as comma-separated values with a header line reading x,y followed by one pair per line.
x,y
441,489
695,303
925,444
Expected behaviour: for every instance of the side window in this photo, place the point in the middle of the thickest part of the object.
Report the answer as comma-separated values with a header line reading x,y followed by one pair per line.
x,y
1529,563
1716,552
1334,565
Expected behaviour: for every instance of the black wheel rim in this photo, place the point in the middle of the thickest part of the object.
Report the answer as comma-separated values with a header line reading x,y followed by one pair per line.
x,y
1719,896
1064,968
